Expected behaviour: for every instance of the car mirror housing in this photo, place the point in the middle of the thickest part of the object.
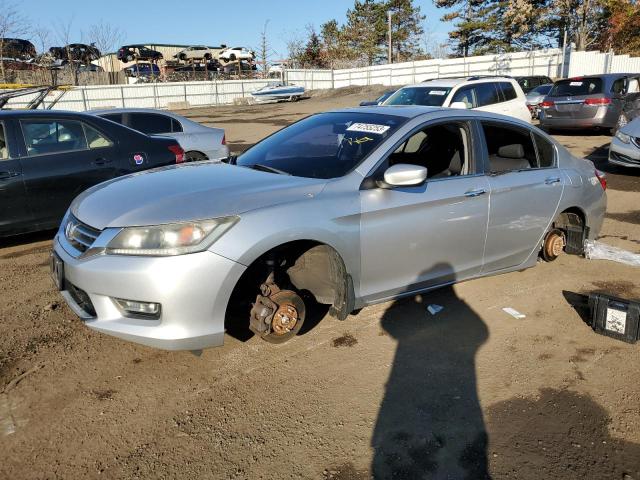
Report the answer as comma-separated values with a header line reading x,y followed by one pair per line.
x,y
405,175
460,105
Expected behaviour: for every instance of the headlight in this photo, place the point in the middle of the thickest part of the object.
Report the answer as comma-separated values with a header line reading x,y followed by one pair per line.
x,y
169,239
623,137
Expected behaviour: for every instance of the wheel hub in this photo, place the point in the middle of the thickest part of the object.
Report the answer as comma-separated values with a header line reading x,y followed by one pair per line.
x,y
554,244
285,319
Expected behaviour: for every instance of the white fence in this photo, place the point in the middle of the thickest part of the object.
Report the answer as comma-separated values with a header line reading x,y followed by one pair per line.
x,y
536,62
550,62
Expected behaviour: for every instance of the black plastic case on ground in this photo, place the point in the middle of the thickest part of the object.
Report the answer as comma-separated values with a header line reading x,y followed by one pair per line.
x,y
615,317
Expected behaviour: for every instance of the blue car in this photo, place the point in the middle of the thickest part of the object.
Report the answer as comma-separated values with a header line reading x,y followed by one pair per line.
x,y
142,70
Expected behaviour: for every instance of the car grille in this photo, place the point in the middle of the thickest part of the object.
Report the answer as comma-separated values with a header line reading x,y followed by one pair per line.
x,y
81,298
80,235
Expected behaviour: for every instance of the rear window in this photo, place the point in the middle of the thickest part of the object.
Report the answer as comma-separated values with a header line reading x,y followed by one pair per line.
x,y
427,96
150,123
576,86
327,145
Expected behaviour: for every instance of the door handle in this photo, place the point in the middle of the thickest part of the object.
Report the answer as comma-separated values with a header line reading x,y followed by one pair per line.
x,y
552,180
101,161
7,175
475,193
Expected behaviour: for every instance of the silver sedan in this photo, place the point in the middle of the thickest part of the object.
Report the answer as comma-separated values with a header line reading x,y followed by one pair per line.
x,y
199,142
345,208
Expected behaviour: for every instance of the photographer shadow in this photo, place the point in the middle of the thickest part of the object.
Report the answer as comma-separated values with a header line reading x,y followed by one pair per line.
x,y
430,422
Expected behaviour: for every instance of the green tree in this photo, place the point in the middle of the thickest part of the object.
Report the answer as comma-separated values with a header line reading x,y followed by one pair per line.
x,y
470,29
364,32
333,42
406,28
313,56
622,32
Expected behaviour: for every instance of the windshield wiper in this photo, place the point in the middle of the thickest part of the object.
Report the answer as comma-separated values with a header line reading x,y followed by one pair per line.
x,y
267,168
231,159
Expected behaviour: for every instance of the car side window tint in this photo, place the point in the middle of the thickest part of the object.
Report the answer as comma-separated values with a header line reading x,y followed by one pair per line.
x,y
53,136
487,94
4,149
508,91
176,126
618,86
508,148
114,117
546,152
443,149
150,123
95,139
466,95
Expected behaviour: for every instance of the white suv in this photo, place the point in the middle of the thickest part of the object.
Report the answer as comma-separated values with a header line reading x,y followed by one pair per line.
x,y
491,94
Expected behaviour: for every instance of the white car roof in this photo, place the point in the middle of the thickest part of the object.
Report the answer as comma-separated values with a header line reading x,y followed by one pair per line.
x,y
452,82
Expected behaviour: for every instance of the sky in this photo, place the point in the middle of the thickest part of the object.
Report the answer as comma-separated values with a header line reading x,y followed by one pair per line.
x,y
210,22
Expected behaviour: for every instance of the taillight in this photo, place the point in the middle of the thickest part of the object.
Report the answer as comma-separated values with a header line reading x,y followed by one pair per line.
x,y
603,179
598,101
224,139
547,104
178,152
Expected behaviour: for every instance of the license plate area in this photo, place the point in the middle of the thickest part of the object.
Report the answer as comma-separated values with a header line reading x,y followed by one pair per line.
x,y
57,270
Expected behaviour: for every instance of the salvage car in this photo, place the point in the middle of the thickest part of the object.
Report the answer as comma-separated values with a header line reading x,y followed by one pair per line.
x,y
345,208
535,97
129,53
625,145
529,82
199,52
236,53
593,101
488,93
198,142
49,157
18,49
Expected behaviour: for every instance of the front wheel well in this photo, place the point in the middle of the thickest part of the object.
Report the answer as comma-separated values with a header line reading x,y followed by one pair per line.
x,y
307,266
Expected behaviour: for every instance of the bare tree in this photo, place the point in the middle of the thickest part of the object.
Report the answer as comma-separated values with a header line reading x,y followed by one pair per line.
x,y
42,35
12,23
63,36
105,37
264,50
295,42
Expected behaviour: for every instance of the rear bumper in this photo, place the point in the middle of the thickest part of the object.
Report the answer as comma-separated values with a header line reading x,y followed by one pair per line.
x,y
603,117
193,291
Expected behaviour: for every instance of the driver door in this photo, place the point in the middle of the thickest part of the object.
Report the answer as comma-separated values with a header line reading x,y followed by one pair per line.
x,y
422,236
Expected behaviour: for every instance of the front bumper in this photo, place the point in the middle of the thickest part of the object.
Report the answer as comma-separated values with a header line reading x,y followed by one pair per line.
x,y
193,290
624,154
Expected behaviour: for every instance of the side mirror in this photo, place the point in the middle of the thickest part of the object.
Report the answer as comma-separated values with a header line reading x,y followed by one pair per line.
x,y
405,175
460,105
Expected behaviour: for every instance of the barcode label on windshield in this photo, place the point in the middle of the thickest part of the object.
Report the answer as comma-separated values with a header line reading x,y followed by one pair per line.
x,y
575,84
437,92
368,128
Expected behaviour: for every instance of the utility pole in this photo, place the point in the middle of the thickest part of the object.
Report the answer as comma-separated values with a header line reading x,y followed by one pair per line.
x,y
390,52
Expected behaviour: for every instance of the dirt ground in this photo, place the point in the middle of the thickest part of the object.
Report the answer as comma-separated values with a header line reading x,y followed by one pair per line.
x,y
468,393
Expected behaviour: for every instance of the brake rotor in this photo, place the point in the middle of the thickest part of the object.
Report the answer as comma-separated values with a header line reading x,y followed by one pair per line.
x,y
553,244
286,316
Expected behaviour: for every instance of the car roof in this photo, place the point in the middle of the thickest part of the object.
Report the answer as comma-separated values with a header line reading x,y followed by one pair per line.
x,y
40,113
452,82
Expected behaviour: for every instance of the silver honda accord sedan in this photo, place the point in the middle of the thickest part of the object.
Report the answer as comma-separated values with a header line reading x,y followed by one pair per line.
x,y
340,210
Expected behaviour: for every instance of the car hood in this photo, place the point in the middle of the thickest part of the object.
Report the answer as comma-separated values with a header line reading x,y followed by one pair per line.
x,y
188,192
632,128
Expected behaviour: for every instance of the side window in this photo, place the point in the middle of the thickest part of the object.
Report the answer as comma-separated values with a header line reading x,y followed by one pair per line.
x,y
95,139
508,148
508,91
4,150
546,152
618,86
443,149
114,117
150,123
466,95
486,94
176,126
52,136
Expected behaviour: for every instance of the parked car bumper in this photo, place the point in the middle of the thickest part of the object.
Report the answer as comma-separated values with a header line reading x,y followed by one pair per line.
x,y
603,118
624,154
193,291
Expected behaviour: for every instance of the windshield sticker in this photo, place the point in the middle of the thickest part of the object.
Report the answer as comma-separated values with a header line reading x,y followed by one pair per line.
x,y
575,84
368,128
358,141
438,92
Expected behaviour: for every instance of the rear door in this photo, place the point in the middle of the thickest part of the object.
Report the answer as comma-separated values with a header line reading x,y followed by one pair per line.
x,y
14,211
62,158
526,187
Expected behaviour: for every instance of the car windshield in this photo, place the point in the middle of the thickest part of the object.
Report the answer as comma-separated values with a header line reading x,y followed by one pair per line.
x,y
541,90
428,96
326,145
576,86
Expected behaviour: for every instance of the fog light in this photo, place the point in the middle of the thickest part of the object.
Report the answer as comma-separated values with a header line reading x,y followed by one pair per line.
x,y
139,309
